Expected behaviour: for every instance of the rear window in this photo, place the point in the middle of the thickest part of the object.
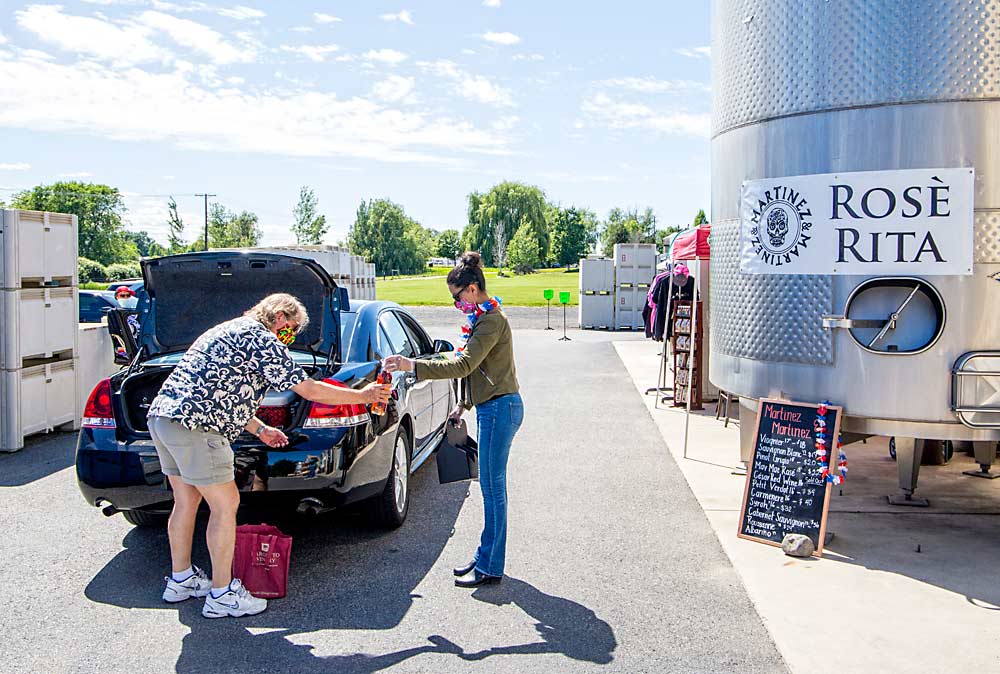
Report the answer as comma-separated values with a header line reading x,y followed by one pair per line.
x,y
347,321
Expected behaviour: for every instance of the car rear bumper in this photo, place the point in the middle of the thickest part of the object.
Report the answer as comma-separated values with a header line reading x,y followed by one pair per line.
x,y
128,475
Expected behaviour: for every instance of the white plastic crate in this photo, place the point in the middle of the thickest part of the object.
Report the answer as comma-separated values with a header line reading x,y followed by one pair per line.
x,y
345,262
327,256
635,255
628,319
38,323
38,399
597,311
634,276
37,248
627,299
597,274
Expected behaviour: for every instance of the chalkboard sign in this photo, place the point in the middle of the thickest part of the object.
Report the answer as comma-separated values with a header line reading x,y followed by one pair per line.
x,y
785,492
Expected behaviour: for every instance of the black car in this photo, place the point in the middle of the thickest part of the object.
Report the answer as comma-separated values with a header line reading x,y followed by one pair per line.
x,y
94,304
336,455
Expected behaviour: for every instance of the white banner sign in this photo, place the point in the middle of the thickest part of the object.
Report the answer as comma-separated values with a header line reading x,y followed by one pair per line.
x,y
915,222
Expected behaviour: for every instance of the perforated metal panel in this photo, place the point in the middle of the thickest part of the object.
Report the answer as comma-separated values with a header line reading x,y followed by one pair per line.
x,y
779,57
771,318
986,248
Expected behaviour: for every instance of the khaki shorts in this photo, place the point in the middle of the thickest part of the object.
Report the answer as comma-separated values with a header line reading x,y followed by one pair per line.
x,y
200,458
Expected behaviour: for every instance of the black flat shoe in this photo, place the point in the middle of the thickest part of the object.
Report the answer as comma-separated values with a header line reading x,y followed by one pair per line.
x,y
477,579
462,570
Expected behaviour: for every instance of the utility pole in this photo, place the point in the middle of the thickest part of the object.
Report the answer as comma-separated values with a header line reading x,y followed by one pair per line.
x,y
206,215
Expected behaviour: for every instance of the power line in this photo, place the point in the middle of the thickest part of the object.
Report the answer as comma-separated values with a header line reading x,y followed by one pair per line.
x,y
70,193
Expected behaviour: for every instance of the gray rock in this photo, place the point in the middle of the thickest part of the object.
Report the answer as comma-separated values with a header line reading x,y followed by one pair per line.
x,y
797,545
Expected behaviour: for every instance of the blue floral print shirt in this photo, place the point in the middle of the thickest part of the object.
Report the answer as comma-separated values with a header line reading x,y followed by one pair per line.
x,y
219,383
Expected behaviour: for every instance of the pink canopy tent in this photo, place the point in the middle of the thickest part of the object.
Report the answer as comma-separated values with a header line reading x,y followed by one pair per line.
x,y
692,244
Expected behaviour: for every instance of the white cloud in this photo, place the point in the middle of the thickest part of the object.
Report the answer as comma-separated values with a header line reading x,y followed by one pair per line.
x,y
529,57
501,38
315,53
19,166
302,29
125,45
134,105
617,114
469,52
241,13
3,40
651,85
77,174
695,53
198,37
403,15
395,89
467,85
491,3
390,56
326,18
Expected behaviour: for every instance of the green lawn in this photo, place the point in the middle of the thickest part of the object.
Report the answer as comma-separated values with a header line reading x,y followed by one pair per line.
x,y
517,291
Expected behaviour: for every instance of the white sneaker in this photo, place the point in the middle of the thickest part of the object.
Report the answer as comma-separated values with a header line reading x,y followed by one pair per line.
x,y
195,585
236,602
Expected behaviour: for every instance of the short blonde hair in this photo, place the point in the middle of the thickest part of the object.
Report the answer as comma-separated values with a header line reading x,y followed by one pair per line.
x,y
266,311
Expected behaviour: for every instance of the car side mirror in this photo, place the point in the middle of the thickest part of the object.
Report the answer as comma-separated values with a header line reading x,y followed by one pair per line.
x,y
441,346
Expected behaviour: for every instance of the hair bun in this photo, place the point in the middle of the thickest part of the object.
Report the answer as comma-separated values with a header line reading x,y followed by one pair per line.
x,y
471,259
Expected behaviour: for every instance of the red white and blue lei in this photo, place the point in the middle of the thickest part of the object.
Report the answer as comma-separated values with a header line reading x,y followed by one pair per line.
x,y
822,454
473,316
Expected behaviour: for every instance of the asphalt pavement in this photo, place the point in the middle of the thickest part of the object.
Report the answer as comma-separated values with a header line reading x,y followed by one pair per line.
x,y
612,565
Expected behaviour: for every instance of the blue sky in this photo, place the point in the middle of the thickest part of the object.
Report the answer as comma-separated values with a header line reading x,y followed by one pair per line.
x,y
599,104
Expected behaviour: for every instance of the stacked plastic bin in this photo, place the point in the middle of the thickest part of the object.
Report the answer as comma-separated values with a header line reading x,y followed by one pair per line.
x,y
39,318
597,294
635,267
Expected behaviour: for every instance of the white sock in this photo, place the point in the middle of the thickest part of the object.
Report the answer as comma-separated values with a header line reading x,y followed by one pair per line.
x,y
219,591
181,576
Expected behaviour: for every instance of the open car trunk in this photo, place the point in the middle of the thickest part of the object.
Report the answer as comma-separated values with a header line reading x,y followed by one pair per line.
x,y
279,409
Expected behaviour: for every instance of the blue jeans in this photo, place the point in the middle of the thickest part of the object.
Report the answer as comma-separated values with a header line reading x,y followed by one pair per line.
x,y
498,421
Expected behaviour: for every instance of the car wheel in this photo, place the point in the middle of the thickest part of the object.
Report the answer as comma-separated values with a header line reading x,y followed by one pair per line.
x,y
141,518
391,506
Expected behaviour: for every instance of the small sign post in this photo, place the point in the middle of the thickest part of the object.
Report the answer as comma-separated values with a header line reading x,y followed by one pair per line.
x,y
548,294
564,300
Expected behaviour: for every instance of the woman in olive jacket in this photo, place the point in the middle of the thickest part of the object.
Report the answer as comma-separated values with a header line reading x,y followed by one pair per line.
x,y
489,382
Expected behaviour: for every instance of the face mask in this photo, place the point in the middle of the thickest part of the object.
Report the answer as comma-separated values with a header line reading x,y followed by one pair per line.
x,y
128,302
466,307
286,335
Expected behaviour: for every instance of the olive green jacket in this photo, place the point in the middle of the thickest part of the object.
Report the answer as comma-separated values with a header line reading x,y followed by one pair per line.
x,y
486,365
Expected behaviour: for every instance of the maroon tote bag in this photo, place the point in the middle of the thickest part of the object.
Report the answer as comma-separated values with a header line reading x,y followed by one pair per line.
x,y
261,559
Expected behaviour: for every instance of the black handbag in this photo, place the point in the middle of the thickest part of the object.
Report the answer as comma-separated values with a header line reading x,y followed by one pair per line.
x,y
458,455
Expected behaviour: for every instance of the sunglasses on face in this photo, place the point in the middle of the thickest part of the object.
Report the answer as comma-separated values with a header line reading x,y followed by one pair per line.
x,y
458,296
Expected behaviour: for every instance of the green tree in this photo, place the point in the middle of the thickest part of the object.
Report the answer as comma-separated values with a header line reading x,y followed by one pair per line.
x,y
700,219
145,244
449,244
231,230
382,233
628,227
523,252
502,210
309,227
99,210
665,235
573,231
175,236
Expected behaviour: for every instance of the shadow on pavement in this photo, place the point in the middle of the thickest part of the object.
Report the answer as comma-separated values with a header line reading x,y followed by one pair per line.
x,y
344,576
41,457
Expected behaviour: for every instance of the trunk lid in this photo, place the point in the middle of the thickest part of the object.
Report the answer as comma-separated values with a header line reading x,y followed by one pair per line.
x,y
190,293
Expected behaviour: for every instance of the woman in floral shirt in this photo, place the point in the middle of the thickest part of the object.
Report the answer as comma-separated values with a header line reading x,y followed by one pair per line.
x,y
206,402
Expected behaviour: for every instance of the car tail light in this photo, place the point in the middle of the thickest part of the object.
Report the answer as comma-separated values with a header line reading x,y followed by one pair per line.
x,y
336,416
98,413
276,417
